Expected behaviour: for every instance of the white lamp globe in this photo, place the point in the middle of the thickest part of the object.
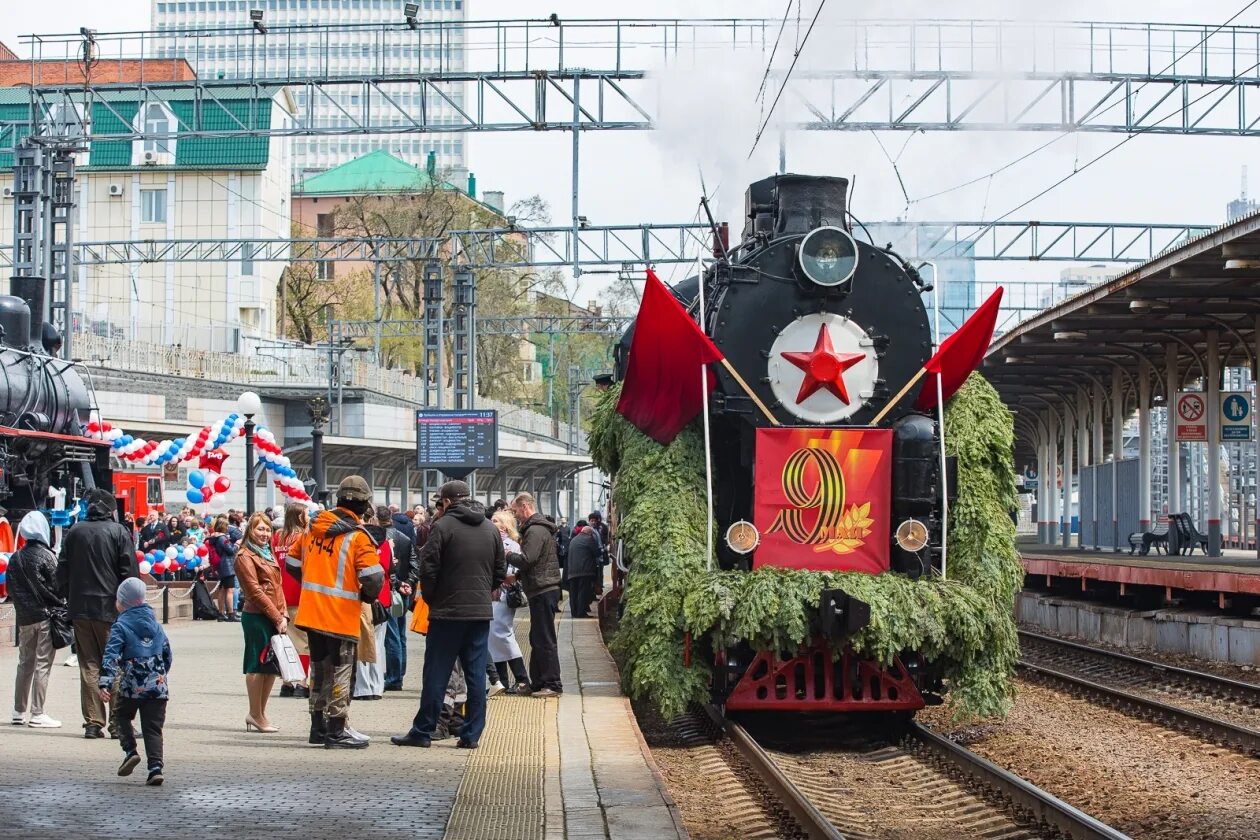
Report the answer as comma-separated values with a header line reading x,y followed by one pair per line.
x,y
249,404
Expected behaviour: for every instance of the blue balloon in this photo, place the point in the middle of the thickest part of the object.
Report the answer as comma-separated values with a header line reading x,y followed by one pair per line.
x,y
3,576
193,496
197,479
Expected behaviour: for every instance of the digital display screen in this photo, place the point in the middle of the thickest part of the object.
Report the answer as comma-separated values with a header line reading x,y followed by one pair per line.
x,y
457,440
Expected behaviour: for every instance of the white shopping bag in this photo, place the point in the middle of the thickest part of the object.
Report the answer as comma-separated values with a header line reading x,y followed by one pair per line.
x,y
287,659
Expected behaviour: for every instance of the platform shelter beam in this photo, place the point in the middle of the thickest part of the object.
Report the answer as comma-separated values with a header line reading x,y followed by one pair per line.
x,y
1172,385
1068,424
1212,480
1117,451
1144,445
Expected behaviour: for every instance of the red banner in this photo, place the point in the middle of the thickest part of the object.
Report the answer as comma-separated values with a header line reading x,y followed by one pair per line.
x,y
823,498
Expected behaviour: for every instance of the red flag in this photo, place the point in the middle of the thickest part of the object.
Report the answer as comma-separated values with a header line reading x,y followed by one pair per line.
x,y
662,393
961,353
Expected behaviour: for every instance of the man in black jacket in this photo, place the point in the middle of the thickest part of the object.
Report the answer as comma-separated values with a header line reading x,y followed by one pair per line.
x,y
96,556
582,569
460,565
539,573
399,572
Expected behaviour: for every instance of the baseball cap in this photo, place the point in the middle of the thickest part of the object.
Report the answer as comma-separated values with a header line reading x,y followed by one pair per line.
x,y
354,489
454,490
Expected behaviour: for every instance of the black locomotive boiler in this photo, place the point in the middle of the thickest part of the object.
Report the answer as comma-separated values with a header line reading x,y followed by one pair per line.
x,y
45,402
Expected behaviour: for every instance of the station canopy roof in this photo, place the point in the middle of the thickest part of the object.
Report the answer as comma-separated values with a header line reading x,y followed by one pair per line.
x,y
1208,283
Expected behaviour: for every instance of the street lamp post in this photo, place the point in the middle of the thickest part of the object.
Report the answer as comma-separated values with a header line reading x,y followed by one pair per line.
x,y
249,404
318,409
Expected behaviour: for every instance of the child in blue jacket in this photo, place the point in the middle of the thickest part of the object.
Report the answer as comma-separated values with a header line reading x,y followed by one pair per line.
x,y
138,655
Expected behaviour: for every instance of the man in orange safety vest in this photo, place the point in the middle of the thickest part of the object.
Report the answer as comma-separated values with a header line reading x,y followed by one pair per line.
x,y
338,565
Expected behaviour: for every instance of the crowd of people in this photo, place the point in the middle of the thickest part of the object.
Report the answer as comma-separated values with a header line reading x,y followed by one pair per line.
x,y
341,587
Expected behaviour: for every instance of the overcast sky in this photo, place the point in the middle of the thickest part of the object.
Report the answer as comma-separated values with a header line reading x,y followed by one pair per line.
x,y
653,176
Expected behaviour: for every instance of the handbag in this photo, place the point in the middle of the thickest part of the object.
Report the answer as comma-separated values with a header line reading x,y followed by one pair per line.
x,y
380,615
514,596
284,655
62,629
397,605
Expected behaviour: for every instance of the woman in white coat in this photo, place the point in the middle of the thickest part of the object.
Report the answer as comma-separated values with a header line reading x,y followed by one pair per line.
x,y
504,651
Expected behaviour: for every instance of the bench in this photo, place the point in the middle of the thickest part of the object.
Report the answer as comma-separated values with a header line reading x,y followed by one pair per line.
x,y
1141,542
1187,535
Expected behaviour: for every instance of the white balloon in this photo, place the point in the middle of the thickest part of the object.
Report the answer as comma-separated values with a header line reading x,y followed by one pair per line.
x,y
171,552
218,503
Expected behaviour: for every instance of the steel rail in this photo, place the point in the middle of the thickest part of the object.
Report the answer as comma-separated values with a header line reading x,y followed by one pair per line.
x,y
811,820
1048,808
1225,684
1241,737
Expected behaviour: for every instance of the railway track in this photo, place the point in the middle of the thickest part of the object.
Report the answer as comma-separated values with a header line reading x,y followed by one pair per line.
x,y
1206,705
925,787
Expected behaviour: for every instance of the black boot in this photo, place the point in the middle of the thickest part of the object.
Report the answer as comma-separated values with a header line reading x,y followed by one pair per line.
x,y
286,690
318,728
337,738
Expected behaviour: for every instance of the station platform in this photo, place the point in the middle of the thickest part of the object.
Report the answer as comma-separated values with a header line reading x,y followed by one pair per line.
x,y
1236,572
575,766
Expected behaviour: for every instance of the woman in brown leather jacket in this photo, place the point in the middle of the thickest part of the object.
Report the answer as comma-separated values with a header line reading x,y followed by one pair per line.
x,y
263,615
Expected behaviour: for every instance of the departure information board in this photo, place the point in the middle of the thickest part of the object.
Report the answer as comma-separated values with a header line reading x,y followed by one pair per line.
x,y
457,440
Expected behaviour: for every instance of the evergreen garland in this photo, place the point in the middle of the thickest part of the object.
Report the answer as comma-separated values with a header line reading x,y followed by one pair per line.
x,y
965,622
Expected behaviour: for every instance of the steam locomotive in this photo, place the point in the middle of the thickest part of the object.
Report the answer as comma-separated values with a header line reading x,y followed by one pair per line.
x,y
44,404
812,466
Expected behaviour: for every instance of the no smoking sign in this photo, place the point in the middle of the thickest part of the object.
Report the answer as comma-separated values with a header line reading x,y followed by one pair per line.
x,y
1191,423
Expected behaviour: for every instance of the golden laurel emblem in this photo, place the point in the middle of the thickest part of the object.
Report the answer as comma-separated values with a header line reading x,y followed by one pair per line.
x,y
834,529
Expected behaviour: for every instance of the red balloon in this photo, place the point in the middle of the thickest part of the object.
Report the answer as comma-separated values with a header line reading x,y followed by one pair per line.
x,y
206,493
4,563
139,556
203,550
159,567
221,484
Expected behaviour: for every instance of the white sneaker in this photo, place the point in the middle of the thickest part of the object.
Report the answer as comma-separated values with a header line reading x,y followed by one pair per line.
x,y
72,661
19,718
354,733
43,722
495,688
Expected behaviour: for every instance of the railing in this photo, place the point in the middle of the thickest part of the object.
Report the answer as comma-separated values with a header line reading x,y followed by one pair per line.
x,y
284,364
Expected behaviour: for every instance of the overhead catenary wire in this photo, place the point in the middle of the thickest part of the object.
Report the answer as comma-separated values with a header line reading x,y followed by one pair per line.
x,y
788,75
761,90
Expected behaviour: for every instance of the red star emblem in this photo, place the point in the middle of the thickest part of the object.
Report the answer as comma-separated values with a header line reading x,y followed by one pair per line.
x,y
824,368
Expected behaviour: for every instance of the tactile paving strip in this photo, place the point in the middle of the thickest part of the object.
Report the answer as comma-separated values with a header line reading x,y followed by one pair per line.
x,y
501,795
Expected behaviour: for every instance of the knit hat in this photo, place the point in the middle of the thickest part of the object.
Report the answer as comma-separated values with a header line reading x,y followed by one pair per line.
x,y
131,593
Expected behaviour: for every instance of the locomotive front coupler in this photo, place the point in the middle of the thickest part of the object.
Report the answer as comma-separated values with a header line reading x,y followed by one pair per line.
x,y
840,615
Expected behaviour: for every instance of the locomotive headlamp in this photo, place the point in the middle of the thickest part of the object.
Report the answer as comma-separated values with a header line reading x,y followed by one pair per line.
x,y
912,535
742,537
828,256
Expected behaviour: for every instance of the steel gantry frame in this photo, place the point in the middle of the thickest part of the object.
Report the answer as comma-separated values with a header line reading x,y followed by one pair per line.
x,y
657,244
591,75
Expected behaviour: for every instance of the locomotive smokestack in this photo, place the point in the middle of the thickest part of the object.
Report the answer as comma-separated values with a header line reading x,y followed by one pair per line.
x,y
786,205
32,290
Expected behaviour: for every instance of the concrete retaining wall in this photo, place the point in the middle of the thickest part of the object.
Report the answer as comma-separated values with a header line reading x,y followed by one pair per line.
x,y
1201,634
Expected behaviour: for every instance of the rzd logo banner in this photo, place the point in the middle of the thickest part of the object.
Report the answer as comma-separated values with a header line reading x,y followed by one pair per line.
x,y
823,497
